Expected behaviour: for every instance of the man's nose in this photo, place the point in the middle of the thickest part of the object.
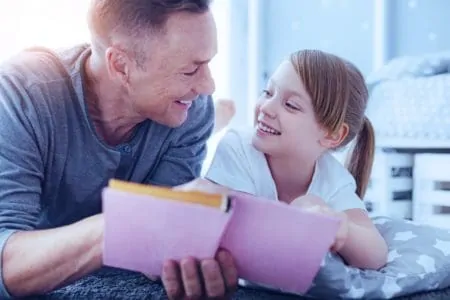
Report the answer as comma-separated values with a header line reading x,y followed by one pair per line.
x,y
206,84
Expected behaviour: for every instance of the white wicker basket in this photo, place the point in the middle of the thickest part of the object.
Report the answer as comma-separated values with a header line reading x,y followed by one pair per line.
x,y
391,185
432,189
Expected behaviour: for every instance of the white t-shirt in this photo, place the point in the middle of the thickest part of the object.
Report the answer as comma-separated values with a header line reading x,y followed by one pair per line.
x,y
239,166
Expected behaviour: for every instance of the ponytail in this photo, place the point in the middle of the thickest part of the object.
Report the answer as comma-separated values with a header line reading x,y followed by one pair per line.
x,y
360,160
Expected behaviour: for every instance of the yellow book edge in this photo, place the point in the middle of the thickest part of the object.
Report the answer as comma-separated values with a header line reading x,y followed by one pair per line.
x,y
220,201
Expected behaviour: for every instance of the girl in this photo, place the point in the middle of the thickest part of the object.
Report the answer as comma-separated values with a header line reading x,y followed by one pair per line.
x,y
314,103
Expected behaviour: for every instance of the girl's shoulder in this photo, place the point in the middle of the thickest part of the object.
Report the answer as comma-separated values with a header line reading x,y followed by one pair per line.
x,y
330,176
240,138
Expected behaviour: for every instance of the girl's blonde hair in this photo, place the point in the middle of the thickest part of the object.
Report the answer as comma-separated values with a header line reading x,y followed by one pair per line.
x,y
339,96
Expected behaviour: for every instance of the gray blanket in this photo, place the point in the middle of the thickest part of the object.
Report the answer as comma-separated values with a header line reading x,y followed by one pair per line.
x,y
117,284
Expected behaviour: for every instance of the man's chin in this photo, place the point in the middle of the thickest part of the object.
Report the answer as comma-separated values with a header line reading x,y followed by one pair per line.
x,y
171,122
175,124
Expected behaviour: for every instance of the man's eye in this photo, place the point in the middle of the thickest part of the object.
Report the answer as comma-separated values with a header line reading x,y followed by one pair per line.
x,y
191,73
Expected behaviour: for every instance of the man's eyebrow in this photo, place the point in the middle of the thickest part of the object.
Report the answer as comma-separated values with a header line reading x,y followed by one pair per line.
x,y
201,62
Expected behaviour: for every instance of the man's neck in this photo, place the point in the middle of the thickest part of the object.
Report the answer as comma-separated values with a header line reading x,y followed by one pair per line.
x,y
112,117
292,176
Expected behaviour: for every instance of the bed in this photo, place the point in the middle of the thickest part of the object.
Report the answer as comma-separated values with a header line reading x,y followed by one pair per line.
x,y
117,284
420,253
409,102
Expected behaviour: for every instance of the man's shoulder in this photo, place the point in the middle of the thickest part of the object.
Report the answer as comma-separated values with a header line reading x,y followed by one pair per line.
x,y
203,104
200,116
39,65
36,85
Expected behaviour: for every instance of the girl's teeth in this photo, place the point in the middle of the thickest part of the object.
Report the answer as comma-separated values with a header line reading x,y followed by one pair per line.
x,y
267,129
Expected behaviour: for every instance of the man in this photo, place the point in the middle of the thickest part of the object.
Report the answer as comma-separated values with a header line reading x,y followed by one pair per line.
x,y
133,105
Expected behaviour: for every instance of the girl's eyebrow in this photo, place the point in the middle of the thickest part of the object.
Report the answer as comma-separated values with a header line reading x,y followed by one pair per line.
x,y
289,91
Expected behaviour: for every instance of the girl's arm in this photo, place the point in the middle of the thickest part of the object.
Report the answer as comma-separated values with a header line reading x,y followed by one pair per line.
x,y
364,246
358,240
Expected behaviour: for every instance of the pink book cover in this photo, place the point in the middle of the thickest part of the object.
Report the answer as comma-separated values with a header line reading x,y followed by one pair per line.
x,y
276,245
141,231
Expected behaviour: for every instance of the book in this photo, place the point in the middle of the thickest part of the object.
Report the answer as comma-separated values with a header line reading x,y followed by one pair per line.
x,y
220,201
277,245
272,243
143,230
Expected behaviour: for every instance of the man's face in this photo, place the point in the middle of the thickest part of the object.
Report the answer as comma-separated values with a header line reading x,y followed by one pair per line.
x,y
176,69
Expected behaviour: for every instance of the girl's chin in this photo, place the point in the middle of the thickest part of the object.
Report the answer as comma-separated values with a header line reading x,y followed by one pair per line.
x,y
260,145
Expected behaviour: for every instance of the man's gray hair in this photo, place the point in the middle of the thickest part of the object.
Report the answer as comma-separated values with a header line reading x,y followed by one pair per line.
x,y
136,18
137,15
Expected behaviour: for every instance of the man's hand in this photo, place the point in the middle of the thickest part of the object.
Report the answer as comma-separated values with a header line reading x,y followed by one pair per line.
x,y
192,279
209,278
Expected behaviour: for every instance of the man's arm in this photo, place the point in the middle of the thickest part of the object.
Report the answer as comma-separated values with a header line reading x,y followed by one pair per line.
x,y
34,261
184,159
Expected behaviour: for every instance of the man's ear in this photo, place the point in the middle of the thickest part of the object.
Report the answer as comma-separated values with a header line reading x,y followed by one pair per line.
x,y
332,140
118,64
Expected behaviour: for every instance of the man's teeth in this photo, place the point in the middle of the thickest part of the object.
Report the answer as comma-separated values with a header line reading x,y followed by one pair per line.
x,y
184,101
264,128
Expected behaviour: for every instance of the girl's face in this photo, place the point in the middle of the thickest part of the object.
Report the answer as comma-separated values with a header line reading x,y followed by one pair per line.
x,y
285,122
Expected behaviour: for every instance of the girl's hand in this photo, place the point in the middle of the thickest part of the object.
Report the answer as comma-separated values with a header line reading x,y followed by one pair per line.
x,y
315,204
342,234
203,185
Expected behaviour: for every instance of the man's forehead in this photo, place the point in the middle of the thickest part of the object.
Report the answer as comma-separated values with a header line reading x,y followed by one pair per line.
x,y
191,37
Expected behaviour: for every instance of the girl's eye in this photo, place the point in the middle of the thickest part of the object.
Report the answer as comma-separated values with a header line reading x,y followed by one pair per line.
x,y
266,93
291,106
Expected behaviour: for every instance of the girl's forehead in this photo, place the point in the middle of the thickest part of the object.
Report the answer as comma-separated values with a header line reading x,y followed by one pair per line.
x,y
286,79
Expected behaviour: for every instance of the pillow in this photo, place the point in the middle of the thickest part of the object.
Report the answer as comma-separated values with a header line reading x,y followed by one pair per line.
x,y
418,261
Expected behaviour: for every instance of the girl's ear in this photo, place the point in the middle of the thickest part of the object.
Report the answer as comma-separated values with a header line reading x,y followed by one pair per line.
x,y
332,140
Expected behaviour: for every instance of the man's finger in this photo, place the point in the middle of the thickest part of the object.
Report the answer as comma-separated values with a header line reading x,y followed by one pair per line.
x,y
191,278
213,279
171,280
229,271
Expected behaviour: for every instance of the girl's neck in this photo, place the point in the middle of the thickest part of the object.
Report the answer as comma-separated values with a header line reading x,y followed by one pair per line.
x,y
292,177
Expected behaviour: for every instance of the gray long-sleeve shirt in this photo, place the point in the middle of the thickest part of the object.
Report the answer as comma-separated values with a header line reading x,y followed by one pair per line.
x,y
53,165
